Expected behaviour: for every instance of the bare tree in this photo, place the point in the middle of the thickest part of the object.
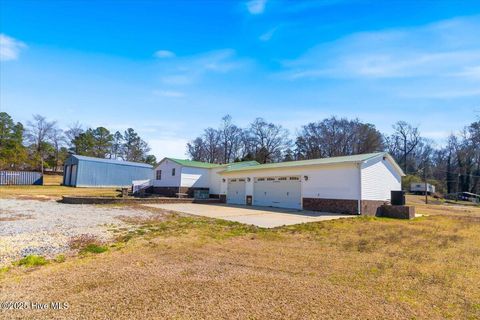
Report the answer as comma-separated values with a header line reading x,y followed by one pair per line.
x,y
404,140
38,134
247,146
73,131
196,149
211,139
270,140
337,137
230,136
57,138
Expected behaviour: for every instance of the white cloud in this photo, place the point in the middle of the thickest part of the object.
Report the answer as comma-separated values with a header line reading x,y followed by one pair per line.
x,y
469,72
169,93
187,70
256,6
436,50
178,79
436,134
268,35
444,93
10,48
164,54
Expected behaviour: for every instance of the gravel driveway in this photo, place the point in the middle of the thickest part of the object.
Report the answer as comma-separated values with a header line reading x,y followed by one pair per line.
x,y
45,227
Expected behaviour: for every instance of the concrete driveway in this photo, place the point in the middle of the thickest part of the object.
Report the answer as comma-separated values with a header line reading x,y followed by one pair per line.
x,y
259,216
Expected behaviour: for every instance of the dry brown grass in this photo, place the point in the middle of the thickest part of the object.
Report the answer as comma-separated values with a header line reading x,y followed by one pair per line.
x,y
15,217
191,268
52,180
83,240
436,207
52,192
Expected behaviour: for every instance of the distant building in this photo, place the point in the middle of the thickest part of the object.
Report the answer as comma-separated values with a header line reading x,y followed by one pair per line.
x,y
419,188
81,171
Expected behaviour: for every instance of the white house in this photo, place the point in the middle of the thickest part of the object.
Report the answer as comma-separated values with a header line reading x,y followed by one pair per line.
x,y
174,176
356,184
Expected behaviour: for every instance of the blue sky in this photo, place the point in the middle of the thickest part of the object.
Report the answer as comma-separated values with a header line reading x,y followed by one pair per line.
x,y
171,69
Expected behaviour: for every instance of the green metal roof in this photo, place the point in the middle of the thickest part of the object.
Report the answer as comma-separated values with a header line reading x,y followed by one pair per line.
x,y
241,164
206,165
288,164
195,164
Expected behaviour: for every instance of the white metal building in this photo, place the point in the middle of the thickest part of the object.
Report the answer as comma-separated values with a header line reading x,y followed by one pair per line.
x,y
419,188
350,184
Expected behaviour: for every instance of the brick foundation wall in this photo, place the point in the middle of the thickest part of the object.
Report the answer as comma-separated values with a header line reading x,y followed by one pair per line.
x,y
371,207
111,200
190,191
223,198
348,206
164,191
331,205
398,212
172,191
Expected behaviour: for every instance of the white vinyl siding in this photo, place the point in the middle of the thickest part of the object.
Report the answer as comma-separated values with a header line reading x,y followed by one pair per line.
x,y
167,180
332,182
215,181
195,177
379,177
327,182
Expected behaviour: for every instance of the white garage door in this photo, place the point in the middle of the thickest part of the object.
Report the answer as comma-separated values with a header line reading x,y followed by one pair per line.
x,y
236,191
281,192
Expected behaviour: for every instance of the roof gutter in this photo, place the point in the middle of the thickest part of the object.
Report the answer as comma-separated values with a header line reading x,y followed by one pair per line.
x,y
255,168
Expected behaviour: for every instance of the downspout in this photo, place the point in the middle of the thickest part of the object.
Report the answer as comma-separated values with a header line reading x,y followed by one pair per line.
x,y
359,201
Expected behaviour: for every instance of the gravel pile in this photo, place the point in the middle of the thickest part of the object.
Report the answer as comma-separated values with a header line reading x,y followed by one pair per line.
x,y
45,227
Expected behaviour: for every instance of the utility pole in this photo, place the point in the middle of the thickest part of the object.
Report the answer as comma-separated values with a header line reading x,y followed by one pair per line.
x,y
458,185
425,181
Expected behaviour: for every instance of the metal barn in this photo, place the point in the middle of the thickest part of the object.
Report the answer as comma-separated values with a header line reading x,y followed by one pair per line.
x,y
82,171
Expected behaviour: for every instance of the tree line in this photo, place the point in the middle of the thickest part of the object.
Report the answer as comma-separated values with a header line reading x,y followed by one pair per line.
x,y
453,167
41,144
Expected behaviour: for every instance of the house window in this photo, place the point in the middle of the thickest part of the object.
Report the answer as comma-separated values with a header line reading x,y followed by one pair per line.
x,y
173,171
159,174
